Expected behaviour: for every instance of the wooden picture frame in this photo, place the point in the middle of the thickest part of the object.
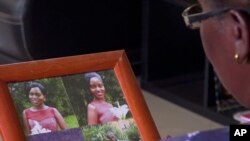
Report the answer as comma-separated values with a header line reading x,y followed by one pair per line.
x,y
10,124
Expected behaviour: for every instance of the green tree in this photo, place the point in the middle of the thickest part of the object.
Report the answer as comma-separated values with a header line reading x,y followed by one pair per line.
x,y
77,96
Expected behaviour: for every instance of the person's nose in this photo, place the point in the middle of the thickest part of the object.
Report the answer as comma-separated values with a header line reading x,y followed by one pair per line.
x,y
98,89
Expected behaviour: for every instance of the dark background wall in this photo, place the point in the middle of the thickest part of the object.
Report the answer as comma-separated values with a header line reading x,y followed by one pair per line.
x,y
170,48
61,28
152,33
52,28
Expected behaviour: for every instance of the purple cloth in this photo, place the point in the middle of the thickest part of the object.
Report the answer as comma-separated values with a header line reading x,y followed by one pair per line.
x,y
74,134
221,134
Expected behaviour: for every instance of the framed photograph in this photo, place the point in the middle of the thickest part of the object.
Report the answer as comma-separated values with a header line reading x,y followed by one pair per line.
x,y
92,97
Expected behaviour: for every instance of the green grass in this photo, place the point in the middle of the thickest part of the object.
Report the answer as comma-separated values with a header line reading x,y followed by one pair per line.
x,y
71,121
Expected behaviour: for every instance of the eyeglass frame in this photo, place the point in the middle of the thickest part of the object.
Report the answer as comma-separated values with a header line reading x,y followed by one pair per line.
x,y
193,20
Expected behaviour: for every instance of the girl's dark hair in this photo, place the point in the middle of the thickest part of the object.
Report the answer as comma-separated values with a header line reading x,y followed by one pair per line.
x,y
88,76
37,85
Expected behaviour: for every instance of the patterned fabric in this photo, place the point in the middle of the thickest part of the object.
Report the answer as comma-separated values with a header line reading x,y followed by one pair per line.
x,y
74,134
221,134
45,118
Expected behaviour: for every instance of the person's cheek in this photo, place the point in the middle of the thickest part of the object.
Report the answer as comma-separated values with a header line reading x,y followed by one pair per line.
x,y
207,38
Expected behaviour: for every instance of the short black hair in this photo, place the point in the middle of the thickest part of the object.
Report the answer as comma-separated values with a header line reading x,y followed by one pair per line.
x,y
37,85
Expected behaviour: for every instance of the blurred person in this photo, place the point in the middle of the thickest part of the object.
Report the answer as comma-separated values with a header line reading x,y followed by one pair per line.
x,y
225,32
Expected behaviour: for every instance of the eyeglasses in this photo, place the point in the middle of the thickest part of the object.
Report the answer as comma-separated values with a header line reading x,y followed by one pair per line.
x,y
193,15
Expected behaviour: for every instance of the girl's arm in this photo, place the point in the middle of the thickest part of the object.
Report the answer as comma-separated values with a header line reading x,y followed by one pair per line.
x,y
25,122
59,118
92,115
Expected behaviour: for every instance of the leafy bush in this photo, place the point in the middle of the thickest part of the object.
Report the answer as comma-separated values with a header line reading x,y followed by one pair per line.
x,y
71,121
98,133
132,133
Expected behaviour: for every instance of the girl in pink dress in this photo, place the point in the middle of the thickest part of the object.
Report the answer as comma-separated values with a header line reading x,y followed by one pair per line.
x,y
98,109
41,118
